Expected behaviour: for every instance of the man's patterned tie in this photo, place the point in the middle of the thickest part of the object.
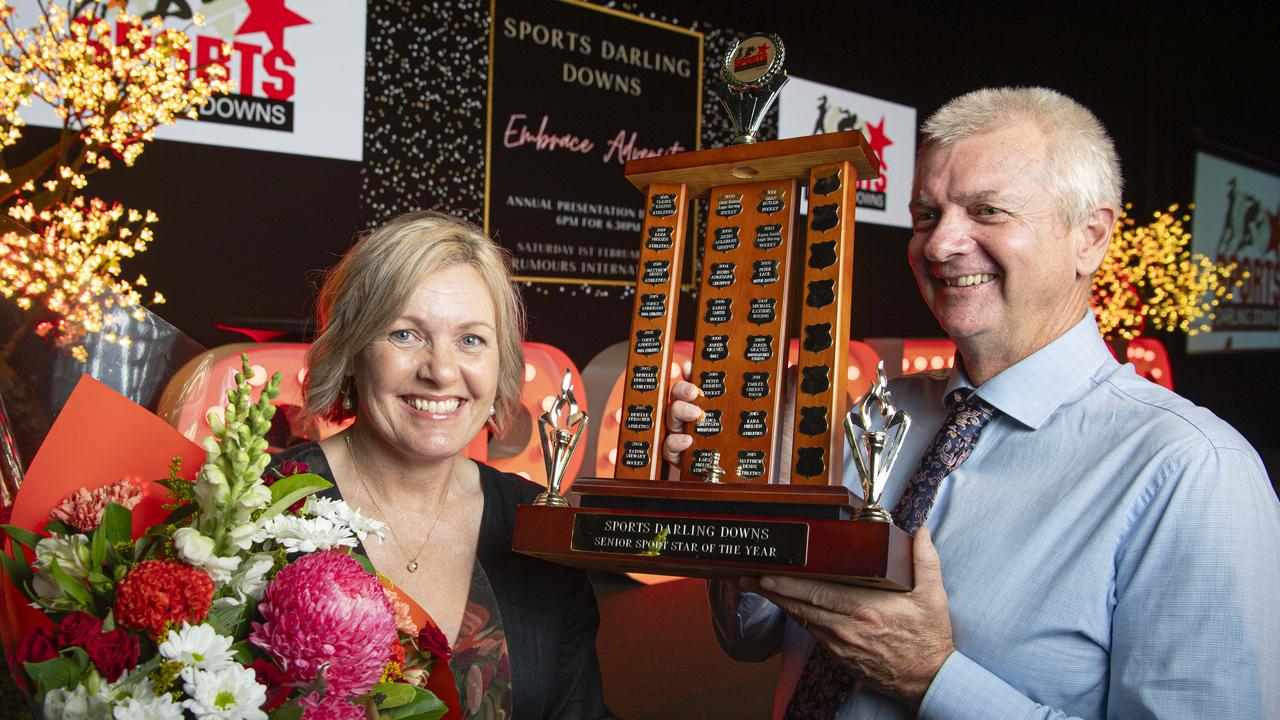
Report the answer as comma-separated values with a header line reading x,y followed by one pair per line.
x,y
824,684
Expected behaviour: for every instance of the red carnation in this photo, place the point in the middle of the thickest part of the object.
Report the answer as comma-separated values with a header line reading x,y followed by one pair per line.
x,y
158,592
113,653
77,629
431,639
37,646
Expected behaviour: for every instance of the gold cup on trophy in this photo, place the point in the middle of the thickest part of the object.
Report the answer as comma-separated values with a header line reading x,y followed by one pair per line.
x,y
560,428
875,429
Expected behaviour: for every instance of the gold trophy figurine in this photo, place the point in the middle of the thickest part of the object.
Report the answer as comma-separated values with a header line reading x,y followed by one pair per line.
x,y
875,449
560,428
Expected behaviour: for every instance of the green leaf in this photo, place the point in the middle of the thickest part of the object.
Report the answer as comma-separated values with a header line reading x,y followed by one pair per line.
x,y
71,586
364,563
286,712
424,706
182,513
289,490
392,695
117,522
100,583
25,538
244,652
17,570
56,673
226,618
98,547
57,527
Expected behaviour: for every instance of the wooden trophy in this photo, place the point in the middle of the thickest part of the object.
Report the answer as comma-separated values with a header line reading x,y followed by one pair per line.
x,y
726,516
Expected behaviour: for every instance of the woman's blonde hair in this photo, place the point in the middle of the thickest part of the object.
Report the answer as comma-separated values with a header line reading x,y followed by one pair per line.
x,y
369,288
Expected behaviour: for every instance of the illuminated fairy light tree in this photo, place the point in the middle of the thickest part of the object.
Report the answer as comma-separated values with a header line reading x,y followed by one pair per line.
x,y
112,81
1151,276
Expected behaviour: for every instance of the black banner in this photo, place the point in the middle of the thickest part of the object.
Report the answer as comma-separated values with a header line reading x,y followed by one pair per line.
x,y
575,92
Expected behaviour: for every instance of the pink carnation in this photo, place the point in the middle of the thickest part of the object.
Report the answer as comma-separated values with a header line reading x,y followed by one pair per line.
x,y
82,509
324,611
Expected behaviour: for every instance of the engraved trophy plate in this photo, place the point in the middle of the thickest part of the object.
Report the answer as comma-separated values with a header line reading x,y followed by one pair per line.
x,y
746,275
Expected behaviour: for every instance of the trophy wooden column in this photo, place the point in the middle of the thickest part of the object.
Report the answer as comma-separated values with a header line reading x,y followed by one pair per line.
x,y
756,262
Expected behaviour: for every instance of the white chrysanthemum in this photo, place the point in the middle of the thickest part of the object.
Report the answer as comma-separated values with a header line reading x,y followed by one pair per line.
x,y
152,708
306,535
197,646
340,513
76,704
128,686
249,581
231,692
197,549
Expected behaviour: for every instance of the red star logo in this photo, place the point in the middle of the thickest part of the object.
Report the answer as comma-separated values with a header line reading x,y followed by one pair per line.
x,y
1273,244
270,17
879,141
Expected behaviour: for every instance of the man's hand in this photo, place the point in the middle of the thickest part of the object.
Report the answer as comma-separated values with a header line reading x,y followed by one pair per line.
x,y
681,411
894,642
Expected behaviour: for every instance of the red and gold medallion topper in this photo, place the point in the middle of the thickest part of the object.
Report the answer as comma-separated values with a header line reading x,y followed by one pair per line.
x,y
753,75
753,63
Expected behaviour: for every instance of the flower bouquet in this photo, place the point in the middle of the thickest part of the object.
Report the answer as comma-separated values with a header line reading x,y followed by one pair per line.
x,y
233,597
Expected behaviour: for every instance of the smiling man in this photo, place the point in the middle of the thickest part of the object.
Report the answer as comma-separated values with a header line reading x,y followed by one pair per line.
x,y
1086,543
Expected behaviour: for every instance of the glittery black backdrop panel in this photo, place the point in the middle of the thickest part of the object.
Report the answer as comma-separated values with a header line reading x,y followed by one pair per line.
x,y
425,100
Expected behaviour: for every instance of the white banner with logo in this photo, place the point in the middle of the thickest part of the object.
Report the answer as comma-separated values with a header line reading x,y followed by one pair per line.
x,y
1237,220
297,65
809,108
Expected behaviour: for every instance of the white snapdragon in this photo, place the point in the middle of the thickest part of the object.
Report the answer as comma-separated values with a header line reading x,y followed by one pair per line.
x,y
231,692
197,549
211,486
249,581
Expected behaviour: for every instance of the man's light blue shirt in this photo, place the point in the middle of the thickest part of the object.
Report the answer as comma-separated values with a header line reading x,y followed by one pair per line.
x,y
1108,549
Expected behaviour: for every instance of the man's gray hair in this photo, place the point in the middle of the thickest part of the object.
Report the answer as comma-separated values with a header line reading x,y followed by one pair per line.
x,y
1081,168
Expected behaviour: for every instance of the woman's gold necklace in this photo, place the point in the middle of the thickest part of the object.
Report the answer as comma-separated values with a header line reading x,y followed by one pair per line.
x,y
413,561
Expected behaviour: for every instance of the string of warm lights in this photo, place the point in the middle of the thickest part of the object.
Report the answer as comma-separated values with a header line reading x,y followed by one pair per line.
x,y
1151,275
112,82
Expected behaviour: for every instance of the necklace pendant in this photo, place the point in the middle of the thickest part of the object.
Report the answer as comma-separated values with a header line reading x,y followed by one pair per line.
x,y
412,566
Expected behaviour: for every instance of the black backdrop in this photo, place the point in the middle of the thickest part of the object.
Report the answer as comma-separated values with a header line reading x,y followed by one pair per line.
x,y
242,232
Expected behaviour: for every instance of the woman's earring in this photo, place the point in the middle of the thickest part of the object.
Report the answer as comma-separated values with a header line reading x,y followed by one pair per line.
x,y
492,411
348,391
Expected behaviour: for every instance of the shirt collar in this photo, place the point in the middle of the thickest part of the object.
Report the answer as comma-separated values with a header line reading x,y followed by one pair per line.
x,y
1034,387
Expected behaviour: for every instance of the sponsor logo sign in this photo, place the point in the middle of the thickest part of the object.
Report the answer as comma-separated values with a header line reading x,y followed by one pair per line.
x,y
809,108
1237,220
297,65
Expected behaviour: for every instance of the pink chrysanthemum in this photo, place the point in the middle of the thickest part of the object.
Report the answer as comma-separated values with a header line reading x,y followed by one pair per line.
x,y
329,708
325,610
82,509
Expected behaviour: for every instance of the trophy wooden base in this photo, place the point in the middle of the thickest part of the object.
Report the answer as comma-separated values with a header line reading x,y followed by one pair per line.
x,y
694,529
